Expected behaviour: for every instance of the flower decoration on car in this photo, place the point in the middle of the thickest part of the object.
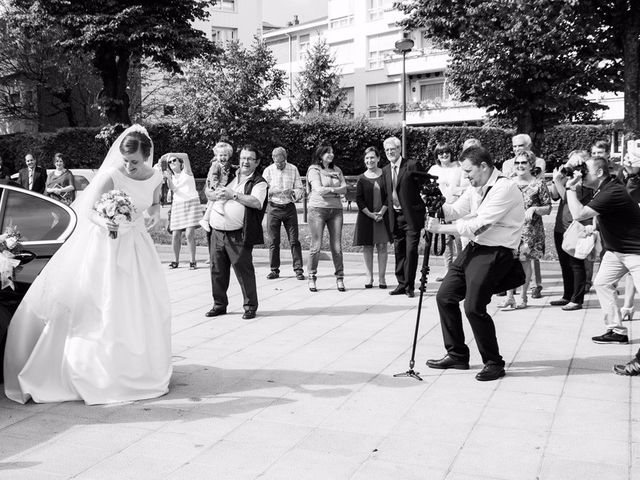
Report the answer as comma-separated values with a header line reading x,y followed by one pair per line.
x,y
9,246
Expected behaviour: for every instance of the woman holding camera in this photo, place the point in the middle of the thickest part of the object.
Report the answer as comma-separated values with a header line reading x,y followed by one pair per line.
x,y
186,210
327,185
574,275
372,225
537,202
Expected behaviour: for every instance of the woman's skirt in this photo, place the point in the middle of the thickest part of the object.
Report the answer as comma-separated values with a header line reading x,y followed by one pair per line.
x,y
185,214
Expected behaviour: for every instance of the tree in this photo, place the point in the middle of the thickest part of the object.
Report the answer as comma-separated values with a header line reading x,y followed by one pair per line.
x,y
318,84
29,62
230,96
116,32
615,26
532,62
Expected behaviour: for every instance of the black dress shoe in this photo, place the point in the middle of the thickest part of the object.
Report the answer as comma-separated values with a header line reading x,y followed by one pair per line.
x,y
411,293
273,275
399,290
559,303
300,276
249,314
214,312
490,372
448,362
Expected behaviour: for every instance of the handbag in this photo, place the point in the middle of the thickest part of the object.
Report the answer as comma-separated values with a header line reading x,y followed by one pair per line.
x,y
577,243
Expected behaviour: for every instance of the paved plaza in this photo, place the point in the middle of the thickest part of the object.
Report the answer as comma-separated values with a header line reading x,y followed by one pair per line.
x,y
306,391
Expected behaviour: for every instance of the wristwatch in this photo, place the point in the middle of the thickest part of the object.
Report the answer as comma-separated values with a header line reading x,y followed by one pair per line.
x,y
235,196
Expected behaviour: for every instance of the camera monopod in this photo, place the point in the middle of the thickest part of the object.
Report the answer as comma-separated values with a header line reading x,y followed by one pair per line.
x,y
434,200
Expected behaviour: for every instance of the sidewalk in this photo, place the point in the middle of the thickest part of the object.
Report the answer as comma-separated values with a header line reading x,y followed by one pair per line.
x,y
306,390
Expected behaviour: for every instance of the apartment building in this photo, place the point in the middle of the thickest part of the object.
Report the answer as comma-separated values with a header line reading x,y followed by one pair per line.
x,y
362,36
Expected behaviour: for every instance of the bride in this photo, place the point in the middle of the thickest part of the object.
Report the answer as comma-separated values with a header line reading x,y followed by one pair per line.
x,y
96,323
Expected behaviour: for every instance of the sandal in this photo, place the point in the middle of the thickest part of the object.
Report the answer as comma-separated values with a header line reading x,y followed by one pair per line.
x,y
173,265
192,265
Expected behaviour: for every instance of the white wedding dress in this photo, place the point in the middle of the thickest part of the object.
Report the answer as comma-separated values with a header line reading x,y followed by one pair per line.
x,y
96,324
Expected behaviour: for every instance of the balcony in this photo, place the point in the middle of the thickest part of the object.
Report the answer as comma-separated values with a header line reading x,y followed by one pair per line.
x,y
417,61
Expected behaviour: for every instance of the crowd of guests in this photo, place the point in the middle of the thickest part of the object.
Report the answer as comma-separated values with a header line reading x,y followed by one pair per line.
x,y
486,219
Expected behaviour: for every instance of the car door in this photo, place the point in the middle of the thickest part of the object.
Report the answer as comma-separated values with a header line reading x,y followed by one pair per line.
x,y
44,224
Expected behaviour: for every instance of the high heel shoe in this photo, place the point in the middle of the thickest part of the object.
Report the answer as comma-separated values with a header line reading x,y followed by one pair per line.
x,y
508,304
340,285
626,313
312,283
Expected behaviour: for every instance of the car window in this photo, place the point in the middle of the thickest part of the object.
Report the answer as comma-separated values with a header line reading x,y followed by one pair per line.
x,y
80,182
36,217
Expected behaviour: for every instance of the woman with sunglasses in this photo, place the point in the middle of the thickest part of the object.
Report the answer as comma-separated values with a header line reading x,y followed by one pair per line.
x,y
537,202
186,210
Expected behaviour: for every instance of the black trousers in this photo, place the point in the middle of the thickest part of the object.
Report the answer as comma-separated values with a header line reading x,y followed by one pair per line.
x,y
473,276
405,246
278,215
226,251
574,273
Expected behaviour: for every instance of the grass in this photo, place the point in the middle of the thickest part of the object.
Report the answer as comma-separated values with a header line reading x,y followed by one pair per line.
x,y
162,237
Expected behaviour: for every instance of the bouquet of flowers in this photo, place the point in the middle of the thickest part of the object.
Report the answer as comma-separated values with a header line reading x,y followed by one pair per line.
x,y
9,246
115,206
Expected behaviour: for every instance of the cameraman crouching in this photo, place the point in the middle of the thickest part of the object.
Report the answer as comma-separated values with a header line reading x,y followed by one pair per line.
x,y
619,225
493,211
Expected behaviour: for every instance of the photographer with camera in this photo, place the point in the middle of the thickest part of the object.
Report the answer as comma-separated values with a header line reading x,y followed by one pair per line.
x,y
618,218
574,274
491,213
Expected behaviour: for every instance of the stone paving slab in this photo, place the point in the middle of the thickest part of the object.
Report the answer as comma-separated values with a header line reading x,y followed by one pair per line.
x,y
306,390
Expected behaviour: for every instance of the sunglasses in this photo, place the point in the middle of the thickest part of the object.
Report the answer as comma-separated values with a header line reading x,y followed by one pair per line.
x,y
521,163
174,161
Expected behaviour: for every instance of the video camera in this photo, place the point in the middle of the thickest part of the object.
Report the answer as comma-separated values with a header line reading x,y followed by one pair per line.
x,y
432,195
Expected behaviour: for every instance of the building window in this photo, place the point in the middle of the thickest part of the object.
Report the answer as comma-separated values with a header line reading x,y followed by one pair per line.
x,y
346,107
343,53
169,110
432,92
223,35
378,7
381,97
14,98
225,5
341,22
381,47
303,46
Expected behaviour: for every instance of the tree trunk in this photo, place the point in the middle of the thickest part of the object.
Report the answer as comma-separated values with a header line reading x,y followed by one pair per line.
x,y
113,67
66,101
631,56
531,122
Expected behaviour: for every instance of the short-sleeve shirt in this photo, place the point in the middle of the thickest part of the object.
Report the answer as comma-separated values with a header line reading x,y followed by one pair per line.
x,y
618,217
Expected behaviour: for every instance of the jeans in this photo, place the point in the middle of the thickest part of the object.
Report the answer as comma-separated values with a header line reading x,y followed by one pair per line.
x,y
613,267
276,217
317,219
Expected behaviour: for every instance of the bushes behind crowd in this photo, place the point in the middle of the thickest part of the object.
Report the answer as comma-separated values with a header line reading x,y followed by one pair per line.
x,y
349,138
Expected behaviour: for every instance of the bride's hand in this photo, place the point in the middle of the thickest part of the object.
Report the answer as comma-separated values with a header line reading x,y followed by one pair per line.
x,y
111,226
151,221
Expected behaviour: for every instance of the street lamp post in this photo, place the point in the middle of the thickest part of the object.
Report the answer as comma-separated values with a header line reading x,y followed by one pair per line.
x,y
404,46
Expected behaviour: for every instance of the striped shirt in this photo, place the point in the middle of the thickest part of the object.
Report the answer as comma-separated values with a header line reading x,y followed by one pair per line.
x,y
279,180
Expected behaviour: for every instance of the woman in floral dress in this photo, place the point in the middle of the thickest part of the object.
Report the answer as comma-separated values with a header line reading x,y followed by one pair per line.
x,y
537,202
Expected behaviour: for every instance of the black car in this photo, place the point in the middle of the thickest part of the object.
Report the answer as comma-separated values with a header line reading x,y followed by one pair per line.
x,y
44,224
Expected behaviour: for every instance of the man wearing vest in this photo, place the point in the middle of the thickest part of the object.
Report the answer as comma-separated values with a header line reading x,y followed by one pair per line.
x,y
234,232
491,213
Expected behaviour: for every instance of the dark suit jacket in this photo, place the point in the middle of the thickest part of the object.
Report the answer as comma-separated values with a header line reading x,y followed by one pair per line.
x,y
410,179
39,178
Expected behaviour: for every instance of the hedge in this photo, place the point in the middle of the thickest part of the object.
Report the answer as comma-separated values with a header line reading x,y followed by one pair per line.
x,y
349,139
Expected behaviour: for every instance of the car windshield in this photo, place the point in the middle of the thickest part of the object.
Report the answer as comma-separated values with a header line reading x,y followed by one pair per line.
x,y
36,217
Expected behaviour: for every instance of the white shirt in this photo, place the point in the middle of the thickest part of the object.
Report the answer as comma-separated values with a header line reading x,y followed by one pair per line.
x,y
233,218
495,221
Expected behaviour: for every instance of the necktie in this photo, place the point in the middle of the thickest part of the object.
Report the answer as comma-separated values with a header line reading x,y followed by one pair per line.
x,y
30,179
395,176
394,193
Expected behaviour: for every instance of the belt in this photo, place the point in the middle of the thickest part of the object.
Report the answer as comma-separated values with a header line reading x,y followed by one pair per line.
x,y
228,231
473,244
279,205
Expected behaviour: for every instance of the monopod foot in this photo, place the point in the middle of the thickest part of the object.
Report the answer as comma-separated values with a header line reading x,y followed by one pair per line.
x,y
409,373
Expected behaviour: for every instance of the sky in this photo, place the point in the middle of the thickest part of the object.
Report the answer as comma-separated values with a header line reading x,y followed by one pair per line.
x,y
279,12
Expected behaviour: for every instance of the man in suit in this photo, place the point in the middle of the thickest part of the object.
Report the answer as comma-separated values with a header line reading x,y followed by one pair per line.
x,y
404,179
33,177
